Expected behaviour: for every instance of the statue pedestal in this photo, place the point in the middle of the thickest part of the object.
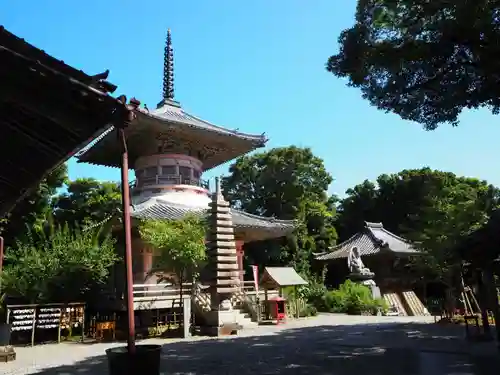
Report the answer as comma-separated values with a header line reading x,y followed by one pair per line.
x,y
363,278
367,280
221,320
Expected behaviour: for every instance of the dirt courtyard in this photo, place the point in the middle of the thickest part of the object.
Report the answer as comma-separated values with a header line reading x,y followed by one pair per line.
x,y
327,344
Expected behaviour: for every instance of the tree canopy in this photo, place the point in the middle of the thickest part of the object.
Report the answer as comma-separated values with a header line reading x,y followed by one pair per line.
x,y
423,60
31,213
87,200
179,245
286,183
63,265
49,258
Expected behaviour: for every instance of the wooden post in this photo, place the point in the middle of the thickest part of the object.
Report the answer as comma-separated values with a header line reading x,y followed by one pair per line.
x,y
296,302
83,322
186,317
114,330
483,301
59,327
266,304
128,245
33,327
158,322
489,281
240,255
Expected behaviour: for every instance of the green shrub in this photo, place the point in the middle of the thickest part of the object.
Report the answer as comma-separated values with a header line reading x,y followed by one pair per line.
x,y
353,298
308,310
377,305
350,298
314,294
335,301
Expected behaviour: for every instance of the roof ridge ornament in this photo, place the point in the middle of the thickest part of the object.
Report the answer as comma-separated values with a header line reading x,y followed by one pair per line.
x,y
218,189
369,224
168,69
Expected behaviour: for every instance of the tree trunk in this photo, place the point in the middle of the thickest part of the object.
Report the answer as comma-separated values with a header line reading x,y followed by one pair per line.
x,y
193,291
181,294
483,302
489,281
449,302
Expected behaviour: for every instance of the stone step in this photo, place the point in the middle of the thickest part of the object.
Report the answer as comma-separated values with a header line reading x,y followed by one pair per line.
x,y
245,322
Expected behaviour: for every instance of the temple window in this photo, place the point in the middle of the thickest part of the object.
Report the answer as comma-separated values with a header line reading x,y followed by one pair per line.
x,y
169,170
185,172
150,172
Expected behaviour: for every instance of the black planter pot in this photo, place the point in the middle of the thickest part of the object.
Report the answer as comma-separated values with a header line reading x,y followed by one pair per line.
x,y
145,360
4,334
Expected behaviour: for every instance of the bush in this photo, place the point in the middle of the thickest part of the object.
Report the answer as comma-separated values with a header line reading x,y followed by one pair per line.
x,y
314,294
335,301
351,298
308,310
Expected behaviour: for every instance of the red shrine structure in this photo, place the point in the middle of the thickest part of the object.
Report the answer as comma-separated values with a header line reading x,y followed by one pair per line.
x,y
169,150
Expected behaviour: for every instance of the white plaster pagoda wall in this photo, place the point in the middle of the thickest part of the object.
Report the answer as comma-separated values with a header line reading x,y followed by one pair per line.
x,y
173,178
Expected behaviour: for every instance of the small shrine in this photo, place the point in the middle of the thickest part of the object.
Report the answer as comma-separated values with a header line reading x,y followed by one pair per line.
x,y
386,272
277,278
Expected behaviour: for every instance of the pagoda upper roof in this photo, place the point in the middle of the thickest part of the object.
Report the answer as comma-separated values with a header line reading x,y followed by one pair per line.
x,y
373,239
169,129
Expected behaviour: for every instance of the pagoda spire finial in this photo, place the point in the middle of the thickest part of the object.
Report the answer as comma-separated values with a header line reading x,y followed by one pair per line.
x,y
168,69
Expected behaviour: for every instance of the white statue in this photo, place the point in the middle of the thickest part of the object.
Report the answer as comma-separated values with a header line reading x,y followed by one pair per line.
x,y
355,263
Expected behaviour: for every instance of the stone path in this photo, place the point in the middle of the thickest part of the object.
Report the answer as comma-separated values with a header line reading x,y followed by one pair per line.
x,y
327,344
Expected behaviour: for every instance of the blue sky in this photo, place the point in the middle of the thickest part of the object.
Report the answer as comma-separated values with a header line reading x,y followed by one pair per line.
x,y
257,66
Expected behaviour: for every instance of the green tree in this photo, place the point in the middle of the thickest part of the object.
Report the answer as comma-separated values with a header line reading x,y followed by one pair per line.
x,y
433,209
31,212
423,60
179,246
286,183
63,265
87,201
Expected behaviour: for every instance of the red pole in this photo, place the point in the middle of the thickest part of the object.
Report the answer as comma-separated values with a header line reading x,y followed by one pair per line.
x,y
128,245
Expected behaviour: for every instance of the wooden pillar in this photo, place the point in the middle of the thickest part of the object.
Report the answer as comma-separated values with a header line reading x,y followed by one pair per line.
x,y
147,262
240,253
483,301
137,264
489,281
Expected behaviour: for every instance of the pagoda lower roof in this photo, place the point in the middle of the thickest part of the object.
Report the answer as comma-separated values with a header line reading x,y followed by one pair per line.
x,y
169,129
373,239
156,208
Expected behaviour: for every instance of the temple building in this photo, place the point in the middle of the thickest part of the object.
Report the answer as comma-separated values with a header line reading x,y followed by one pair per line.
x,y
387,256
169,150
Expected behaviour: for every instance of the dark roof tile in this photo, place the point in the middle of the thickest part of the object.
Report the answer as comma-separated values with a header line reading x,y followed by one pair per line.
x,y
157,209
371,240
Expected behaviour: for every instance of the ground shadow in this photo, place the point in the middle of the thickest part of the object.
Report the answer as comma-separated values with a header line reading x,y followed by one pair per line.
x,y
368,349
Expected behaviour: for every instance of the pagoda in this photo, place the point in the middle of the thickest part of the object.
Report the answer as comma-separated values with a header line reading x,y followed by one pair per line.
x,y
169,150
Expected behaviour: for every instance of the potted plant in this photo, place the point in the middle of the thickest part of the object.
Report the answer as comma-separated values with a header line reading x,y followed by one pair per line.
x,y
144,359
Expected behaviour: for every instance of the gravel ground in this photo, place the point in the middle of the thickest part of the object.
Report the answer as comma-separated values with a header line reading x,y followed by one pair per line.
x,y
327,344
